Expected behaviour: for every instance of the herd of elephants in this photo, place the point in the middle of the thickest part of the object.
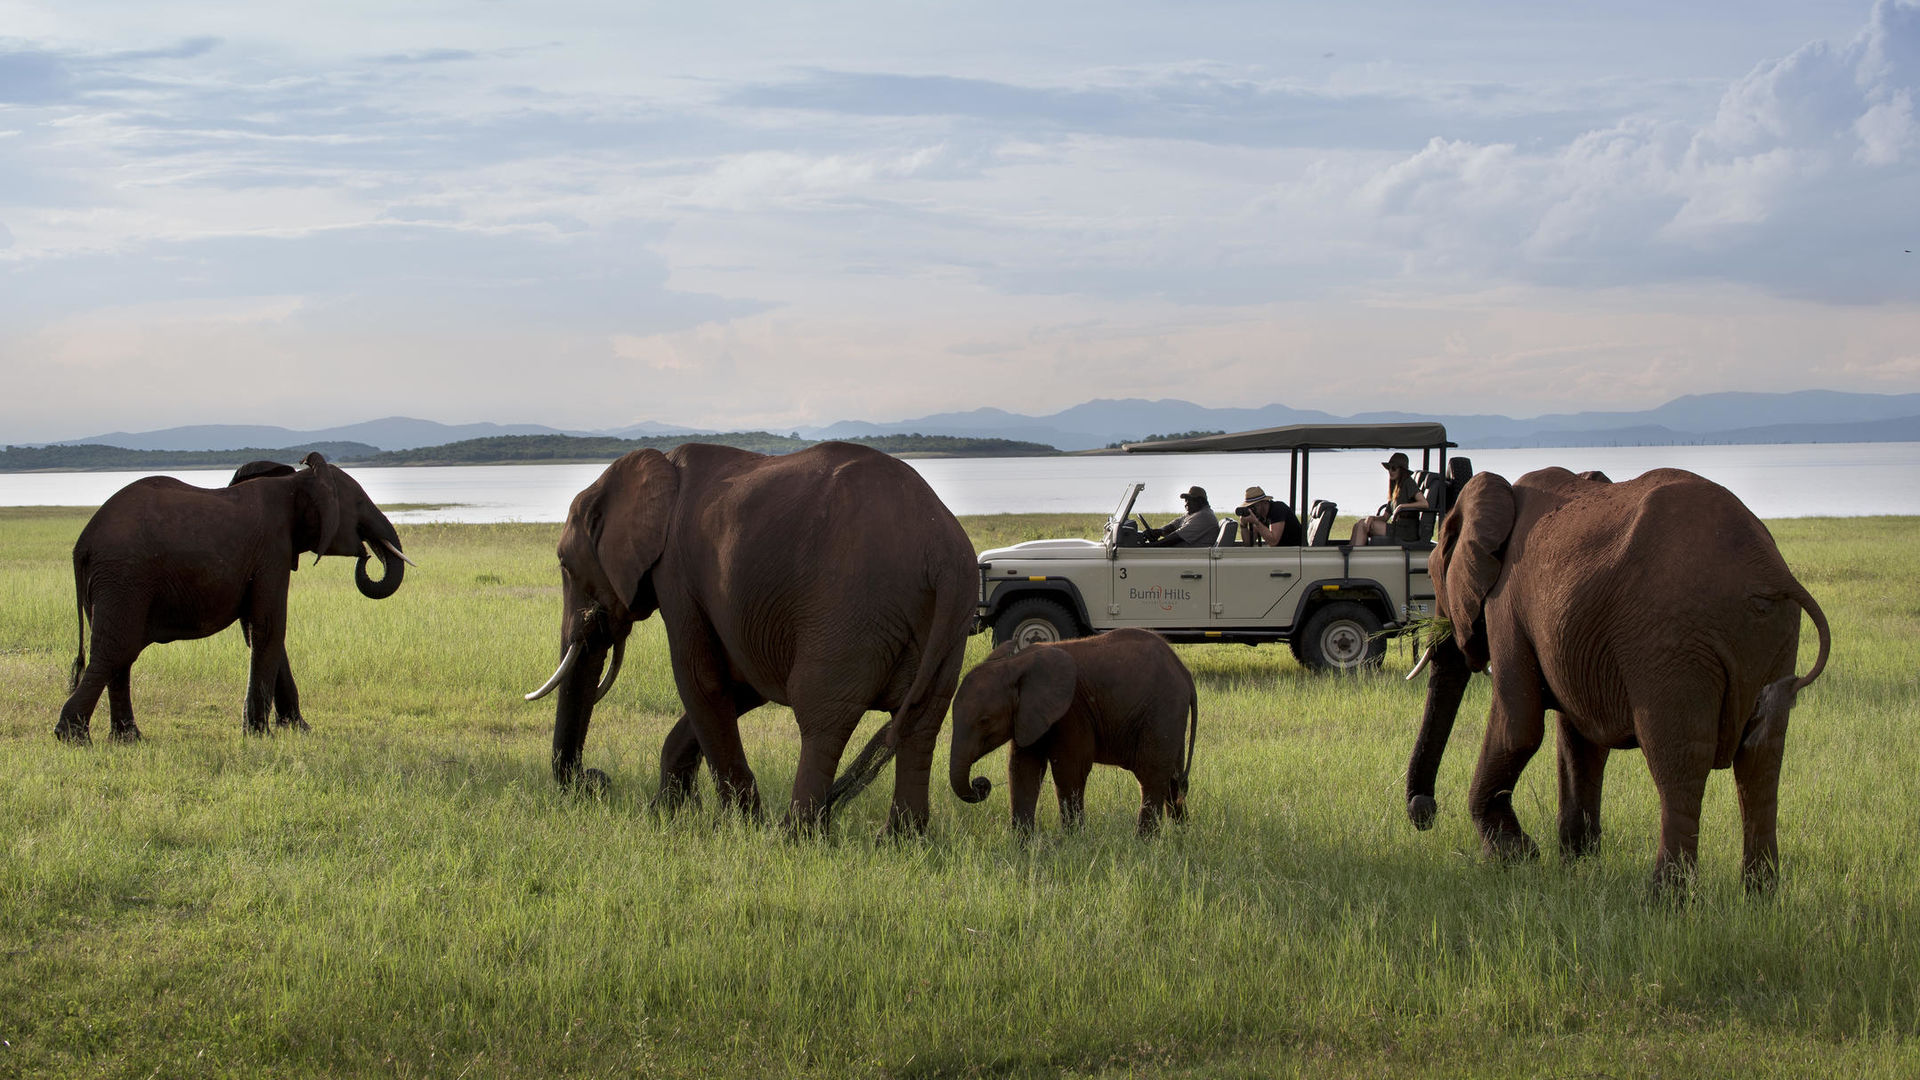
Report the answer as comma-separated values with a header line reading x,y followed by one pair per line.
x,y
1655,613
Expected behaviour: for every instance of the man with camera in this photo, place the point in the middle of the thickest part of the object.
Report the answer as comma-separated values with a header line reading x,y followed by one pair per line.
x,y
1268,521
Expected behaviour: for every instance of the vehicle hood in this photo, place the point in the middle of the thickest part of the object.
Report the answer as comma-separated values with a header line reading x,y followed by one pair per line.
x,y
1047,549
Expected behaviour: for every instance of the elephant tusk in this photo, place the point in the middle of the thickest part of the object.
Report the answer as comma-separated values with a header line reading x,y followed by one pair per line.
x,y
566,665
1425,659
613,670
398,554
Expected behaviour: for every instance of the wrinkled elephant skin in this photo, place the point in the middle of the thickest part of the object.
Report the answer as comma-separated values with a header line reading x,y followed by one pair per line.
x,y
163,561
1655,613
831,580
1122,698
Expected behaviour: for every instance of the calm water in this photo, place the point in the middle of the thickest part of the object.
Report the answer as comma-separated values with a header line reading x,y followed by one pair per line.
x,y
1832,479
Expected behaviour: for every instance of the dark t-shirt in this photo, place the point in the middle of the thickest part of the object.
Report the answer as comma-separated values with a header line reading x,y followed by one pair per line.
x,y
1291,533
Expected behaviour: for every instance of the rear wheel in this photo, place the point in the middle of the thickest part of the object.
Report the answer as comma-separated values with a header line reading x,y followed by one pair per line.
x,y
1342,636
1034,620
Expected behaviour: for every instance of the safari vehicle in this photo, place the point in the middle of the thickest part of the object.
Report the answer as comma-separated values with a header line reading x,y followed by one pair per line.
x,y
1334,604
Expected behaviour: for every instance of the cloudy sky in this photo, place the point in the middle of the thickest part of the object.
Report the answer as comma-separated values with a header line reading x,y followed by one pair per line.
x,y
766,215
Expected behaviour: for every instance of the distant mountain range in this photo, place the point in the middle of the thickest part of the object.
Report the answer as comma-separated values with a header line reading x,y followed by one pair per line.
x,y
1805,416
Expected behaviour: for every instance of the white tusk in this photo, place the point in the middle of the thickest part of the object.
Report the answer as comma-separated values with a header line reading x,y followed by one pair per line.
x,y
398,554
613,670
566,665
1425,659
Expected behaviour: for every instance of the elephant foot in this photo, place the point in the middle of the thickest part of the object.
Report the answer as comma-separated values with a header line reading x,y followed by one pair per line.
x,y
1512,847
72,734
904,821
1421,810
1671,883
295,723
673,794
128,734
592,782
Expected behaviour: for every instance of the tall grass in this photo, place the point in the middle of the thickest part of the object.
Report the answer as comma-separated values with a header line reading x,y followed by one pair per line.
x,y
405,891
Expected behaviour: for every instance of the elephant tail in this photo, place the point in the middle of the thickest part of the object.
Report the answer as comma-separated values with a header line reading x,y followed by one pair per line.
x,y
80,612
1777,698
865,768
1819,623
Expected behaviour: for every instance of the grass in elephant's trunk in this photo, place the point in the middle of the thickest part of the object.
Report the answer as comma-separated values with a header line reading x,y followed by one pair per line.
x,y
406,891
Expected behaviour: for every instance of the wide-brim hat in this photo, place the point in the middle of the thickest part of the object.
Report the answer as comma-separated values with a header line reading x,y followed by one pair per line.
x,y
1398,460
1195,492
1254,495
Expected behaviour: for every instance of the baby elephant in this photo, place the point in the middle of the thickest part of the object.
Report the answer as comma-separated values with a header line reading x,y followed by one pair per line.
x,y
1118,699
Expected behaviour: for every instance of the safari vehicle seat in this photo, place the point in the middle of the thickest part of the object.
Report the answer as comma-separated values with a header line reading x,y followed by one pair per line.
x,y
1459,471
1321,519
1229,534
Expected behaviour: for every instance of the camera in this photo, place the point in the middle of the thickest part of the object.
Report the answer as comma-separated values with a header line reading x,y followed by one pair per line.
x,y
1243,511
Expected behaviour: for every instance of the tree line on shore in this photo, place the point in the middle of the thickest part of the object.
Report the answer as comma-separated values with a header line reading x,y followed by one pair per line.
x,y
501,449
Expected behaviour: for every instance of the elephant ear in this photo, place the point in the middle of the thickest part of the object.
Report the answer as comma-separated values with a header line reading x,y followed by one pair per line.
x,y
318,506
1469,557
617,529
1042,692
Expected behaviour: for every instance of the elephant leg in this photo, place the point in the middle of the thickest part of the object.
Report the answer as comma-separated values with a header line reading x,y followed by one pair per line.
x,y
263,671
120,706
679,767
713,705
1070,784
913,763
1159,794
109,658
1025,770
1756,776
286,699
1583,766
1515,727
1679,757
824,731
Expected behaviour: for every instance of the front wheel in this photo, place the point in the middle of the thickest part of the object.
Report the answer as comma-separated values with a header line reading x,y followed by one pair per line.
x,y
1034,620
1343,636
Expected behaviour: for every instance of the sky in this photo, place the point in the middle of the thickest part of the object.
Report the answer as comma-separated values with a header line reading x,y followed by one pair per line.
x,y
756,215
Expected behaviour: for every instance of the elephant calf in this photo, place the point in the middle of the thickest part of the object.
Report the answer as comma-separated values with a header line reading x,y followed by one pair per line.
x,y
1118,699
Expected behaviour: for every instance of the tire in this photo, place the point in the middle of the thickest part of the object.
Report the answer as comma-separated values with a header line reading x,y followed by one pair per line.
x,y
1033,619
1342,636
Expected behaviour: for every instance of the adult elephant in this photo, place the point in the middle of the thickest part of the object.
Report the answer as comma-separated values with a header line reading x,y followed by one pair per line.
x,y
831,580
1655,613
162,560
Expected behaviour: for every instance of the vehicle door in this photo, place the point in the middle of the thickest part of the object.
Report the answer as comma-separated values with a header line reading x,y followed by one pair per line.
x,y
1256,586
1162,587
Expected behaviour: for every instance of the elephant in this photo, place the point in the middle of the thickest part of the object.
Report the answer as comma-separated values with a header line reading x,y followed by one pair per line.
x,y
831,580
1654,613
163,560
1117,699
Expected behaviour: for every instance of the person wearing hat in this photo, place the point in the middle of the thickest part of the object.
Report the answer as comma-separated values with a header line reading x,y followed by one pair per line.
x,y
1403,497
1266,520
1196,529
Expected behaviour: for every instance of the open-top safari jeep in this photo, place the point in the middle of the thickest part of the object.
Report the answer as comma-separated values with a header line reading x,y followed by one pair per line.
x,y
1333,603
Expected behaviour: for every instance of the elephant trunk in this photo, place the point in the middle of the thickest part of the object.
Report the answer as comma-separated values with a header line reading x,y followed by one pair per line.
x,y
393,568
1445,687
579,685
969,788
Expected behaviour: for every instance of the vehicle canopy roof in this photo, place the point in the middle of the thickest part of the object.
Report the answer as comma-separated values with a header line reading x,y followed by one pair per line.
x,y
1305,437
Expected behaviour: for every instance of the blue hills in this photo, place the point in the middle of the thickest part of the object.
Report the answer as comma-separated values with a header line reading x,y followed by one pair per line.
x,y
1734,417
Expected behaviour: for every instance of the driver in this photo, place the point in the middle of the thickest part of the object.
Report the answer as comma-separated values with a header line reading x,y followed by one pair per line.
x,y
1196,529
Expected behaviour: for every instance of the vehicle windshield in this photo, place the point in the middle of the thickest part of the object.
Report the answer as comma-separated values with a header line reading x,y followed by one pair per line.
x,y
1121,512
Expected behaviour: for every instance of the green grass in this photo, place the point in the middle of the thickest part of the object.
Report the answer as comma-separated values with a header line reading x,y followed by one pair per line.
x,y
405,892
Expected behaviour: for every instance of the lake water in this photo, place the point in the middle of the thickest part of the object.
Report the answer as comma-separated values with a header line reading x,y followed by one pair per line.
x,y
1817,480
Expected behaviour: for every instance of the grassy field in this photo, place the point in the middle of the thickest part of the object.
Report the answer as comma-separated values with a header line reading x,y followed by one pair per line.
x,y
405,892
